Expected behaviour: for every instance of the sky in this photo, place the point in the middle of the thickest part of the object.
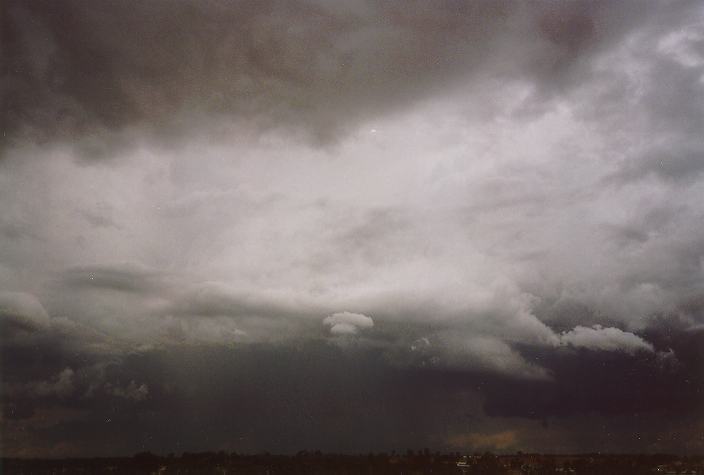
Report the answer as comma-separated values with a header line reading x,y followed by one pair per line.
x,y
351,226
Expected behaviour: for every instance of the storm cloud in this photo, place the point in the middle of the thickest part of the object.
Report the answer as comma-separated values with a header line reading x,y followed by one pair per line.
x,y
484,215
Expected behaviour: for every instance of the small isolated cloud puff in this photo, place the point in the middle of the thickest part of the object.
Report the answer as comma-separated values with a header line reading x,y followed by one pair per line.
x,y
347,323
605,339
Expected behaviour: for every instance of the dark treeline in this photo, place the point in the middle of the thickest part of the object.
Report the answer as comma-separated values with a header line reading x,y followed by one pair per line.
x,y
409,462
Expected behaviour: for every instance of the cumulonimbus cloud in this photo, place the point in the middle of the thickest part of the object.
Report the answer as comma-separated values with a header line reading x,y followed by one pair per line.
x,y
470,174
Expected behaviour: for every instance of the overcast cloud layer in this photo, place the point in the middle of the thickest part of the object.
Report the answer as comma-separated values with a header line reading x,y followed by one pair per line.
x,y
458,225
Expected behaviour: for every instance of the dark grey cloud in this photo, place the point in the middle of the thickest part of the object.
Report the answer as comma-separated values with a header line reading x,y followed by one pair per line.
x,y
80,71
200,397
614,382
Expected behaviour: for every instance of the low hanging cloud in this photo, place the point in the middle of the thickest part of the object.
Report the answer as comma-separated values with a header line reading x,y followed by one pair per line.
x,y
483,354
347,323
22,310
599,338
60,385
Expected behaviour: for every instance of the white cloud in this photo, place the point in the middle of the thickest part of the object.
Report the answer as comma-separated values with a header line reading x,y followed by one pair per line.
x,y
605,339
347,323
